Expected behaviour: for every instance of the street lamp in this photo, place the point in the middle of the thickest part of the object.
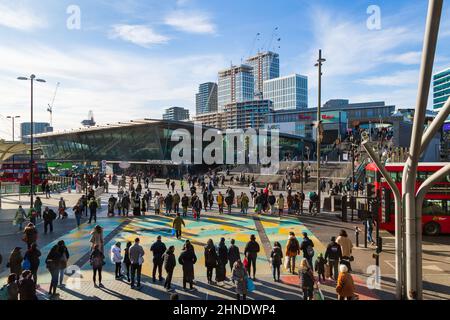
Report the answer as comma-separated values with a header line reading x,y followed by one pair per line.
x,y
32,78
12,119
319,63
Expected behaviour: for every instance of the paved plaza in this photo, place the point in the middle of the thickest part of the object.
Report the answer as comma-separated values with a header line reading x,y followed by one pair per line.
x,y
267,229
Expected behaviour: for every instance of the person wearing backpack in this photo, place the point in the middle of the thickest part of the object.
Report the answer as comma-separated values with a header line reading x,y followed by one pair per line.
x,y
292,251
32,256
306,280
333,255
97,260
276,257
48,216
307,248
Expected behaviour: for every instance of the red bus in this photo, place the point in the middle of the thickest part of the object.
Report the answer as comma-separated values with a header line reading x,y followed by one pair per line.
x,y
436,207
19,172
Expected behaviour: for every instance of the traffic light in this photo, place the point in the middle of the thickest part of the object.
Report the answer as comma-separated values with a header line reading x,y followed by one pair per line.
x,y
379,245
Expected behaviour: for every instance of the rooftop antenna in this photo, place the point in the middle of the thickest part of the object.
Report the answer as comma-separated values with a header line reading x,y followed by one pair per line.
x,y
50,105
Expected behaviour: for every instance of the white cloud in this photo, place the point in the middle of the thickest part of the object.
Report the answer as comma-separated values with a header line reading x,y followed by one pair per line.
x,y
20,18
116,85
138,34
407,58
192,22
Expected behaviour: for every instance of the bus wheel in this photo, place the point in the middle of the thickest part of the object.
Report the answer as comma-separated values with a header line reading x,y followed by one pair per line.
x,y
432,229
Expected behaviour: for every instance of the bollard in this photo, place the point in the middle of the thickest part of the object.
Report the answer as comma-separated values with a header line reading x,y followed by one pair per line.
x,y
357,231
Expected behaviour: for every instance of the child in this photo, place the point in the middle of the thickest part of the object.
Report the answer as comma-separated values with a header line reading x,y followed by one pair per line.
x,y
319,266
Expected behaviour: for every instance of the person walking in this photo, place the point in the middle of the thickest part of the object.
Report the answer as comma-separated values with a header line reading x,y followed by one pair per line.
x,y
97,238
220,201
97,260
168,201
319,267
64,258
188,259
251,253
244,203
20,217
280,204
271,200
52,262
169,262
306,280
346,247
48,216
126,259
12,287
185,204
222,260
38,207
116,258
62,208
292,251
32,255
233,254
178,224
136,254
27,286
239,277
196,207
307,246
78,212
158,249
176,203
211,260
333,255
345,286
276,258
30,235
93,206
15,261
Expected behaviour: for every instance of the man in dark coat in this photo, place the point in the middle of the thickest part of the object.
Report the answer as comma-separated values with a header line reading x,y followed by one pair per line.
x,y
233,254
251,252
187,259
158,249
221,272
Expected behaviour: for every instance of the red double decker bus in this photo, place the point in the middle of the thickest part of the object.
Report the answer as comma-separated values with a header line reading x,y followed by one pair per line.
x,y
19,172
436,207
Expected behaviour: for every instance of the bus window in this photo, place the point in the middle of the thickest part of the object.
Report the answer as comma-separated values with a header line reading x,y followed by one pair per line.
x,y
436,208
422,176
394,176
370,176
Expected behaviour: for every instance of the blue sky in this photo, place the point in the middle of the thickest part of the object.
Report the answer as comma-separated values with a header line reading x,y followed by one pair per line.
x,y
131,59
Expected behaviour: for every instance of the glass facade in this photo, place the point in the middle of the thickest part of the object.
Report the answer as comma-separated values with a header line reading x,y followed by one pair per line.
x,y
137,141
235,85
265,66
287,93
176,114
38,127
441,88
206,98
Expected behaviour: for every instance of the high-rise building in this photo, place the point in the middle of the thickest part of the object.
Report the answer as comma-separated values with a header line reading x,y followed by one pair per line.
x,y
206,98
235,85
38,127
441,93
248,114
176,114
287,93
266,66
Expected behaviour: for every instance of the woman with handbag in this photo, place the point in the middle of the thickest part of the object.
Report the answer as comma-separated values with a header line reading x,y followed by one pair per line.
x,y
64,252
97,260
239,277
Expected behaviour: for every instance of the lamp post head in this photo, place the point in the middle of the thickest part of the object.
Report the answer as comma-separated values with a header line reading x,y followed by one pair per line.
x,y
32,77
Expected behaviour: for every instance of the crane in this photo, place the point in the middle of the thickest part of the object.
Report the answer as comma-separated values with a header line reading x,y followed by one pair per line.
x,y
50,105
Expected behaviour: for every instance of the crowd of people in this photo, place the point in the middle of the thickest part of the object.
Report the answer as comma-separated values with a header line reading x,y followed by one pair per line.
x,y
197,195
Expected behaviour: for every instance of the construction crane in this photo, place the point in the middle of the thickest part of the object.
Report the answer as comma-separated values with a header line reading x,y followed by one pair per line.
x,y
50,105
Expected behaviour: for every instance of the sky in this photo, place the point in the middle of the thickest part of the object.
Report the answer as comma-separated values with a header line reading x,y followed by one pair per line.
x,y
131,59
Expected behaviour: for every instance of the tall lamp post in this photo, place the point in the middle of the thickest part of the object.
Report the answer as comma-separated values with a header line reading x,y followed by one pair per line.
x,y
32,78
13,136
319,63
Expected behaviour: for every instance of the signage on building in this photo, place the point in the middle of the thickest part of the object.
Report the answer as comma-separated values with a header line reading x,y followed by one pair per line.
x,y
303,117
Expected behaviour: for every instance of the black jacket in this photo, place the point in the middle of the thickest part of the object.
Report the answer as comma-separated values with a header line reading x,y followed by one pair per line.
x,y
169,261
210,257
333,252
158,248
223,254
233,253
252,249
